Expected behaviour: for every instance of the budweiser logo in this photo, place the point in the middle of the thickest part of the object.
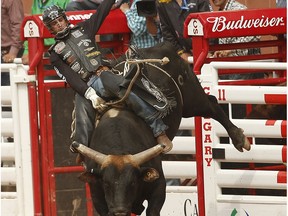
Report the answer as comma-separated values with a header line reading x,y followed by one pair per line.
x,y
221,24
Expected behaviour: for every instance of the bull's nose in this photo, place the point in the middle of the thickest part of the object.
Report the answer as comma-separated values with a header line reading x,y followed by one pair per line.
x,y
121,212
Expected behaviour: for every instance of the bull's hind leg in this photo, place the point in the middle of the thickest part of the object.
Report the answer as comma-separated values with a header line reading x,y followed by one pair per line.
x,y
236,134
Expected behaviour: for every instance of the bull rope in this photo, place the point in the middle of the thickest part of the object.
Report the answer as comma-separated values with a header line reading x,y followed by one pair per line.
x,y
162,61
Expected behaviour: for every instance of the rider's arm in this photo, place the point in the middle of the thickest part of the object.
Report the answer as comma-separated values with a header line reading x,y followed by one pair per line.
x,y
94,23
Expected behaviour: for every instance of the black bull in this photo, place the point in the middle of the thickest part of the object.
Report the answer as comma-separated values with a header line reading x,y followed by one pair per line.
x,y
120,177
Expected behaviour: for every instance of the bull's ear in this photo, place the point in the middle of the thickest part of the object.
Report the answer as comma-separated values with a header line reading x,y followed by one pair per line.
x,y
86,177
89,177
149,174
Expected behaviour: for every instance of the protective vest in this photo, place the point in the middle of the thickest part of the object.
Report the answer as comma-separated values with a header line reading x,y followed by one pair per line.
x,y
79,52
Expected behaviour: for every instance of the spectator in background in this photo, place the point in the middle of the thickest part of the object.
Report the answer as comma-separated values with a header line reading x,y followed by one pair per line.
x,y
172,15
12,15
37,8
145,30
229,5
281,3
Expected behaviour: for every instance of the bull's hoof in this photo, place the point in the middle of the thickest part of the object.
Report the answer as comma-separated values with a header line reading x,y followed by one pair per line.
x,y
242,141
163,139
247,144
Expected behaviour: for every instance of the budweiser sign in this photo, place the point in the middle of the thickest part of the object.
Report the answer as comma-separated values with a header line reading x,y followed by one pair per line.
x,y
221,23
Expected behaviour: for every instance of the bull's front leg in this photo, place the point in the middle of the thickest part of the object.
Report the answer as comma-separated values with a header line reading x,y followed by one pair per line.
x,y
156,198
236,134
97,195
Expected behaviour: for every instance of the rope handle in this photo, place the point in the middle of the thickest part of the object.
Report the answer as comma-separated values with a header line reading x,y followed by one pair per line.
x,y
162,61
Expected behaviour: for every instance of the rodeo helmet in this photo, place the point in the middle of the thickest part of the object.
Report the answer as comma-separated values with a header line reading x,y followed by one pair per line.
x,y
51,13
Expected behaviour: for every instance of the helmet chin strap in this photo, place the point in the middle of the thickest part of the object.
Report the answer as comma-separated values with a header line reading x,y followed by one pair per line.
x,y
63,33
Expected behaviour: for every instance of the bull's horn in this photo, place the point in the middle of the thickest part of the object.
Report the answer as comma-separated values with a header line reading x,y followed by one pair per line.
x,y
148,154
90,153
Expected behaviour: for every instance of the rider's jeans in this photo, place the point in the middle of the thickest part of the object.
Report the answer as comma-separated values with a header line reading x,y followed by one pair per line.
x,y
139,106
84,120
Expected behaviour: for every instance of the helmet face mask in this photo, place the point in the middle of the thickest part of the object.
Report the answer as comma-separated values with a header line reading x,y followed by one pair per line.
x,y
52,13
